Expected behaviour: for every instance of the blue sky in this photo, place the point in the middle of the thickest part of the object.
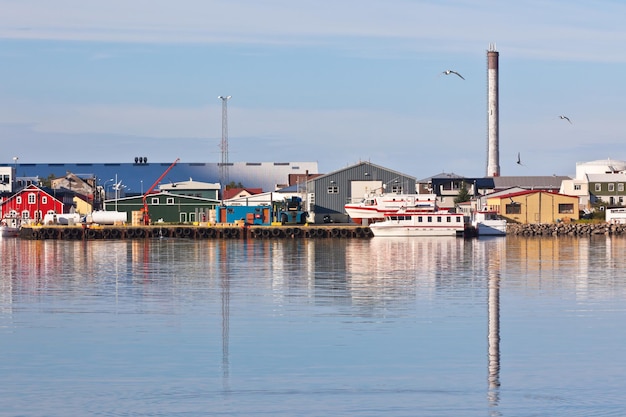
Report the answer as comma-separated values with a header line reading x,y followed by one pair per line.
x,y
334,82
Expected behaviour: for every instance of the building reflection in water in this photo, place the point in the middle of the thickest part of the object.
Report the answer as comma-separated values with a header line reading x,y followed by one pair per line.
x,y
371,277
225,293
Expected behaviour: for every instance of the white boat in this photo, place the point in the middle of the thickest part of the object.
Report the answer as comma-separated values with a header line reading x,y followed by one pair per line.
x,y
489,223
374,207
10,227
437,223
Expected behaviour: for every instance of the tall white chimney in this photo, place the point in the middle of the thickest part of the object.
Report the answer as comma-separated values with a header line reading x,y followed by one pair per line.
x,y
493,136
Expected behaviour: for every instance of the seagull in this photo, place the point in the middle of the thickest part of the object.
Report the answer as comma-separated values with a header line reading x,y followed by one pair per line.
x,y
565,118
448,72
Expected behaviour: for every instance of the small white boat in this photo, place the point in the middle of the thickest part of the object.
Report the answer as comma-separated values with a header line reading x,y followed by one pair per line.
x,y
437,223
489,223
374,207
10,227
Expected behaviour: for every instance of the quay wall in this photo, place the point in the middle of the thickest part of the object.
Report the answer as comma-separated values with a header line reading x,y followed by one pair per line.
x,y
193,232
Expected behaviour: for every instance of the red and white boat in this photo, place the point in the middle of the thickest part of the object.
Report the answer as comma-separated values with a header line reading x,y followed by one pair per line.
x,y
374,208
436,223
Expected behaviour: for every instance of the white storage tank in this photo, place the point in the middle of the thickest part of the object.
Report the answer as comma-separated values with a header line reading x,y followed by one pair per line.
x,y
108,217
63,218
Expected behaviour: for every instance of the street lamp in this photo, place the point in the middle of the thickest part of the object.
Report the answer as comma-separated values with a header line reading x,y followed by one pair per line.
x,y
104,206
15,158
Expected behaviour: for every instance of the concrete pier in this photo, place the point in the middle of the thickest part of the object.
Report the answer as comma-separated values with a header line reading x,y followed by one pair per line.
x,y
193,232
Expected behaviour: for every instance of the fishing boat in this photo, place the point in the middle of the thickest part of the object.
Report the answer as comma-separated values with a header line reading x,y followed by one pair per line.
x,y
436,223
488,223
9,227
374,207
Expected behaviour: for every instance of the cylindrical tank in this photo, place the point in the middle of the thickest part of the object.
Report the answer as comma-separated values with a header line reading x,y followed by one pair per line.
x,y
109,217
63,218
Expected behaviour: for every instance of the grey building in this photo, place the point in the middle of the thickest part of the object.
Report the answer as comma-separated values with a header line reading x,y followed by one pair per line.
x,y
326,195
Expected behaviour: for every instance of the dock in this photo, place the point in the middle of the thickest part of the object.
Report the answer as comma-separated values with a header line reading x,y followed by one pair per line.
x,y
81,232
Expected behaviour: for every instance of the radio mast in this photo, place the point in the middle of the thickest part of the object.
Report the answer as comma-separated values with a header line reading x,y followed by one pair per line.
x,y
224,143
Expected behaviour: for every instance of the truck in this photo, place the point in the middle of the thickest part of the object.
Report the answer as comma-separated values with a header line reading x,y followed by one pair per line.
x,y
291,212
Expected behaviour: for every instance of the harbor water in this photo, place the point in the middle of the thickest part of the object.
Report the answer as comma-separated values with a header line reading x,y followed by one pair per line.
x,y
507,326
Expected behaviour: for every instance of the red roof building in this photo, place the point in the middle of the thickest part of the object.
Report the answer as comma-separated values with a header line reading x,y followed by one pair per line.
x,y
30,203
240,192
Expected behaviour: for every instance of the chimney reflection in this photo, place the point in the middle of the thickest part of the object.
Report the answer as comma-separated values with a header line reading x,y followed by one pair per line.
x,y
493,335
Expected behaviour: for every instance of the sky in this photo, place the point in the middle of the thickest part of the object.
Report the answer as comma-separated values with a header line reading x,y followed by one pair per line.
x,y
332,82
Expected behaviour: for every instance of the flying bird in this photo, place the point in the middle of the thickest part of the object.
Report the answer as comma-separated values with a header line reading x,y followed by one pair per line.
x,y
565,118
448,72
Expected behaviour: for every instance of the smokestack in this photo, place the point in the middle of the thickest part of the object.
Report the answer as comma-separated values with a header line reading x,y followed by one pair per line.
x,y
493,136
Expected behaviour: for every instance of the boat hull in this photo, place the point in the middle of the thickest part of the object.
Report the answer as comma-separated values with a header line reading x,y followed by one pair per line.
x,y
491,229
413,231
422,224
489,223
8,231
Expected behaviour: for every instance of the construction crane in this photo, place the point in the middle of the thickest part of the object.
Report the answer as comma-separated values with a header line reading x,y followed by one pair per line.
x,y
146,215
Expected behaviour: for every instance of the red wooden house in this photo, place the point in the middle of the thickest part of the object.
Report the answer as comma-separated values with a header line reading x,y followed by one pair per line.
x,y
31,203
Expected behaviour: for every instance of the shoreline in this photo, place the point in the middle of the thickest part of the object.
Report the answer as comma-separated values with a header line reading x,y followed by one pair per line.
x,y
566,229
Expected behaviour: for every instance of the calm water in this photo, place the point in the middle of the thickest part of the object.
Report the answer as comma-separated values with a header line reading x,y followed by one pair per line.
x,y
382,327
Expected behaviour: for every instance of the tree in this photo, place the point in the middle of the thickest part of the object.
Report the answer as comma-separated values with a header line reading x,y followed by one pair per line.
x,y
232,185
463,195
47,182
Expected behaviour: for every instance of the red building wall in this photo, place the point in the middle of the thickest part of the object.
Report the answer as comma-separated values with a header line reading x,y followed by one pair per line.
x,y
30,203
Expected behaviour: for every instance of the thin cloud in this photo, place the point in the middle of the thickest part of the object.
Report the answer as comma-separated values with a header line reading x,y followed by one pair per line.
x,y
537,29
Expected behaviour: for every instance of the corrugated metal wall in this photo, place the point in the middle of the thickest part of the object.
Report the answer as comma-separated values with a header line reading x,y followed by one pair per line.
x,y
332,204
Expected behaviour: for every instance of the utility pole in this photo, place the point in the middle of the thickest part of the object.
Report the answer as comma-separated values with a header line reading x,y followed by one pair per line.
x,y
224,144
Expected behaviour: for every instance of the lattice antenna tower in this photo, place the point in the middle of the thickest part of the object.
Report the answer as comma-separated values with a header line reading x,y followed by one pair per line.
x,y
224,143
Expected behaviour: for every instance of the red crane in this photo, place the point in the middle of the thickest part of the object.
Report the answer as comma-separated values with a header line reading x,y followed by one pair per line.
x,y
146,214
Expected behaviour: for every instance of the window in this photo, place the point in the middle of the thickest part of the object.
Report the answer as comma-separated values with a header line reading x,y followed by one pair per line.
x,y
44,200
566,208
438,219
333,189
513,209
449,219
25,215
419,219
170,200
397,189
620,187
577,187
32,198
430,219
18,200
155,201
611,187
598,187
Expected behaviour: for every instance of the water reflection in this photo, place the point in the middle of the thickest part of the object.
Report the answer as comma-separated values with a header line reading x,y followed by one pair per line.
x,y
370,322
493,252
